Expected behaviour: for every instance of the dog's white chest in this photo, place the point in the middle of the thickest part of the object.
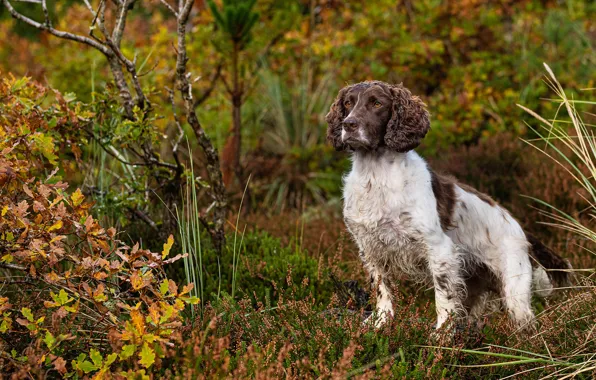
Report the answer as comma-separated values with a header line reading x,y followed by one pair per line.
x,y
382,210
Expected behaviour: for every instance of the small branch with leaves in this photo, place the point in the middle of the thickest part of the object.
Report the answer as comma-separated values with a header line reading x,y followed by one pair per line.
x,y
127,80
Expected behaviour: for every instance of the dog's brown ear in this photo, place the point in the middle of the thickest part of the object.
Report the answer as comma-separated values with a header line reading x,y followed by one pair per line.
x,y
409,123
335,118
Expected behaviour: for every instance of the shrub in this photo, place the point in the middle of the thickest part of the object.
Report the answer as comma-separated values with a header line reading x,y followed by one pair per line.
x,y
75,299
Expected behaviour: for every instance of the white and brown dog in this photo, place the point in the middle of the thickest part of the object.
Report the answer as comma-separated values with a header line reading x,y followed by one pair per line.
x,y
407,219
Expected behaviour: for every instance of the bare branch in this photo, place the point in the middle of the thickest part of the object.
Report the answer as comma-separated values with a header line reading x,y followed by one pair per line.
x,y
55,32
167,5
121,21
151,161
218,190
13,266
46,15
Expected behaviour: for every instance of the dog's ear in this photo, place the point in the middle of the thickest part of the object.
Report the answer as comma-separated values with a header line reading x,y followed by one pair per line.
x,y
409,123
334,120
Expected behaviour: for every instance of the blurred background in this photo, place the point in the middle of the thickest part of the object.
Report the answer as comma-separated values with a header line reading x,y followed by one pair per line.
x,y
262,96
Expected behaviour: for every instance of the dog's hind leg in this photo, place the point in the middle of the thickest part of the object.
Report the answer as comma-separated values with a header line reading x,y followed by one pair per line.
x,y
516,279
445,264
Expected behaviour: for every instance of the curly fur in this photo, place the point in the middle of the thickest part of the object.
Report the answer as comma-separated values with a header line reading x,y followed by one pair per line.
x,y
409,123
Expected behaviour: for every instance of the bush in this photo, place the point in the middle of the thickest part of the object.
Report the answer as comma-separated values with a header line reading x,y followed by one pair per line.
x,y
76,300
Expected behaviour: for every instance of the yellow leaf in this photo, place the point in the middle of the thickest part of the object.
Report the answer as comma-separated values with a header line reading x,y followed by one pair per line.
x,y
4,210
167,246
77,197
147,356
56,226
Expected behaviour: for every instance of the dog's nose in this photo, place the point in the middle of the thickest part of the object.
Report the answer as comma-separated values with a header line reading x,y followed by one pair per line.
x,y
350,124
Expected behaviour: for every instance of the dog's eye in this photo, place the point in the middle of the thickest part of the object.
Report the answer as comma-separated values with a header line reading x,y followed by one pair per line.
x,y
377,104
348,104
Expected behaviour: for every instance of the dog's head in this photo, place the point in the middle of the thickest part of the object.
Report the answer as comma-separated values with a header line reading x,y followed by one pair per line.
x,y
369,115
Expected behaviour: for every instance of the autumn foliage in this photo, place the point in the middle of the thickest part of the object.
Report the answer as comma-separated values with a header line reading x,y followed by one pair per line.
x,y
78,300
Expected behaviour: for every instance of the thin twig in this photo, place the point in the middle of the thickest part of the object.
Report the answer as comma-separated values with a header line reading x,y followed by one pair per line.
x,y
55,32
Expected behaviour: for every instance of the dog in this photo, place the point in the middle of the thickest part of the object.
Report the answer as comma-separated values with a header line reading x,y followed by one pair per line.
x,y
407,219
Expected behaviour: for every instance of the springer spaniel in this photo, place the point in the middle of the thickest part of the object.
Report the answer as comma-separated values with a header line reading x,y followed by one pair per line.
x,y
407,219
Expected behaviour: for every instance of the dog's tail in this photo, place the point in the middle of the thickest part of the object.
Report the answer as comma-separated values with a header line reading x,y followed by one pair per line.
x,y
550,271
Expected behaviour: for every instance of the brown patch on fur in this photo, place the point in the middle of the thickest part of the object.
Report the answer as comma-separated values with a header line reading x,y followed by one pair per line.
x,y
444,191
477,193
553,263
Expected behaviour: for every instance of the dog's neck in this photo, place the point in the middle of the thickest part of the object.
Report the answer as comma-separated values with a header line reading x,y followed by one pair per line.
x,y
379,161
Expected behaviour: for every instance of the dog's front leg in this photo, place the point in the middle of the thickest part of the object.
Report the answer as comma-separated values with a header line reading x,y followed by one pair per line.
x,y
384,307
445,265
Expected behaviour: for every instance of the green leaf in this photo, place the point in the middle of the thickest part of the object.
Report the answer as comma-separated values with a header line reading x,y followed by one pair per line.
x,y
110,359
63,297
163,287
45,145
192,300
96,357
27,314
49,340
69,97
86,366
127,351
18,84
147,356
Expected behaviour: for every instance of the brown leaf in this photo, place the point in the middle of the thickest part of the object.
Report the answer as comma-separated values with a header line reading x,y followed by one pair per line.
x,y
61,312
27,191
89,223
172,287
60,365
38,206
175,258
87,263
21,209
44,191
60,211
